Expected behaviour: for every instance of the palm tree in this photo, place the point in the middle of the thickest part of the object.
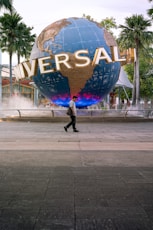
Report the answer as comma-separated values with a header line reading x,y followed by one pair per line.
x,y
134,34
6,4
15,37
8,37
150,11
24,41
108,24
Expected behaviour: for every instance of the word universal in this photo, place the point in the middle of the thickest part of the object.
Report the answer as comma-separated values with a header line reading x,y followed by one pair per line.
x,y
29,68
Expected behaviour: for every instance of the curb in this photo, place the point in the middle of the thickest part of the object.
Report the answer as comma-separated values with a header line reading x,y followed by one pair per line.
x,y
79,119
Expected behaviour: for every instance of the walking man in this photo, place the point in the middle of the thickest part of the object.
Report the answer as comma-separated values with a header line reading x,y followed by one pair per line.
x,y
72,123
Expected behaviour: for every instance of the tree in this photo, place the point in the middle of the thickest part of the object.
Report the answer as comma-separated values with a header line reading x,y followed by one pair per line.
x,y
146,75
24,41
108,24
134,34
15,37
150,11
6,4
88,17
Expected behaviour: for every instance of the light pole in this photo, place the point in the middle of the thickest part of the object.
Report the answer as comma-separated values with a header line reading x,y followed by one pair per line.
x,y
35,93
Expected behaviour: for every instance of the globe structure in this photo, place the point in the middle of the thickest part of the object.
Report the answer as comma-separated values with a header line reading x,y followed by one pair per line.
x,y
90,83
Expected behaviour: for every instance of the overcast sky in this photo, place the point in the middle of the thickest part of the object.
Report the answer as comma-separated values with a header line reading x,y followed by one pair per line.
x,y
40,14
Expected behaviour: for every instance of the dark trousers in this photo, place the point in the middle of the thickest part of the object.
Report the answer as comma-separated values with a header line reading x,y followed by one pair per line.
x,y
72,122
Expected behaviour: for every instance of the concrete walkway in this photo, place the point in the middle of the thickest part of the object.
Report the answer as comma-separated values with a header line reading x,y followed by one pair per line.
x,y
99,179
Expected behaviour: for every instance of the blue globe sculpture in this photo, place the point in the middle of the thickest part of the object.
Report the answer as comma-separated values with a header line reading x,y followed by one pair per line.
x,y
91,83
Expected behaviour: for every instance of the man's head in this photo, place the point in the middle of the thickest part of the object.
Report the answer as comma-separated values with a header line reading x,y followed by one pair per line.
x,y
74,97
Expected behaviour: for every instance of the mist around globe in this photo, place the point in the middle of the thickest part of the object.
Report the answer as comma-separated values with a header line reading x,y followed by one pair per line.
x,y
90,83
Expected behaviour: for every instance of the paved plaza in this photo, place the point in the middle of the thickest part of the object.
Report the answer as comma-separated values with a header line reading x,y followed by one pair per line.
x,y
98,179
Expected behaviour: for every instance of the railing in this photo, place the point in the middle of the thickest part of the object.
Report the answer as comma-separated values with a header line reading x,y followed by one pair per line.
x,y
49,112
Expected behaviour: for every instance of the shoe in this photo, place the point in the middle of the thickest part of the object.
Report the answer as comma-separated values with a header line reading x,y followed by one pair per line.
x,y
75,130
65,129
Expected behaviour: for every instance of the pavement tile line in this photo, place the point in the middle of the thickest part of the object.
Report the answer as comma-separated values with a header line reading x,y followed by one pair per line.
x,y
80,145
76,158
